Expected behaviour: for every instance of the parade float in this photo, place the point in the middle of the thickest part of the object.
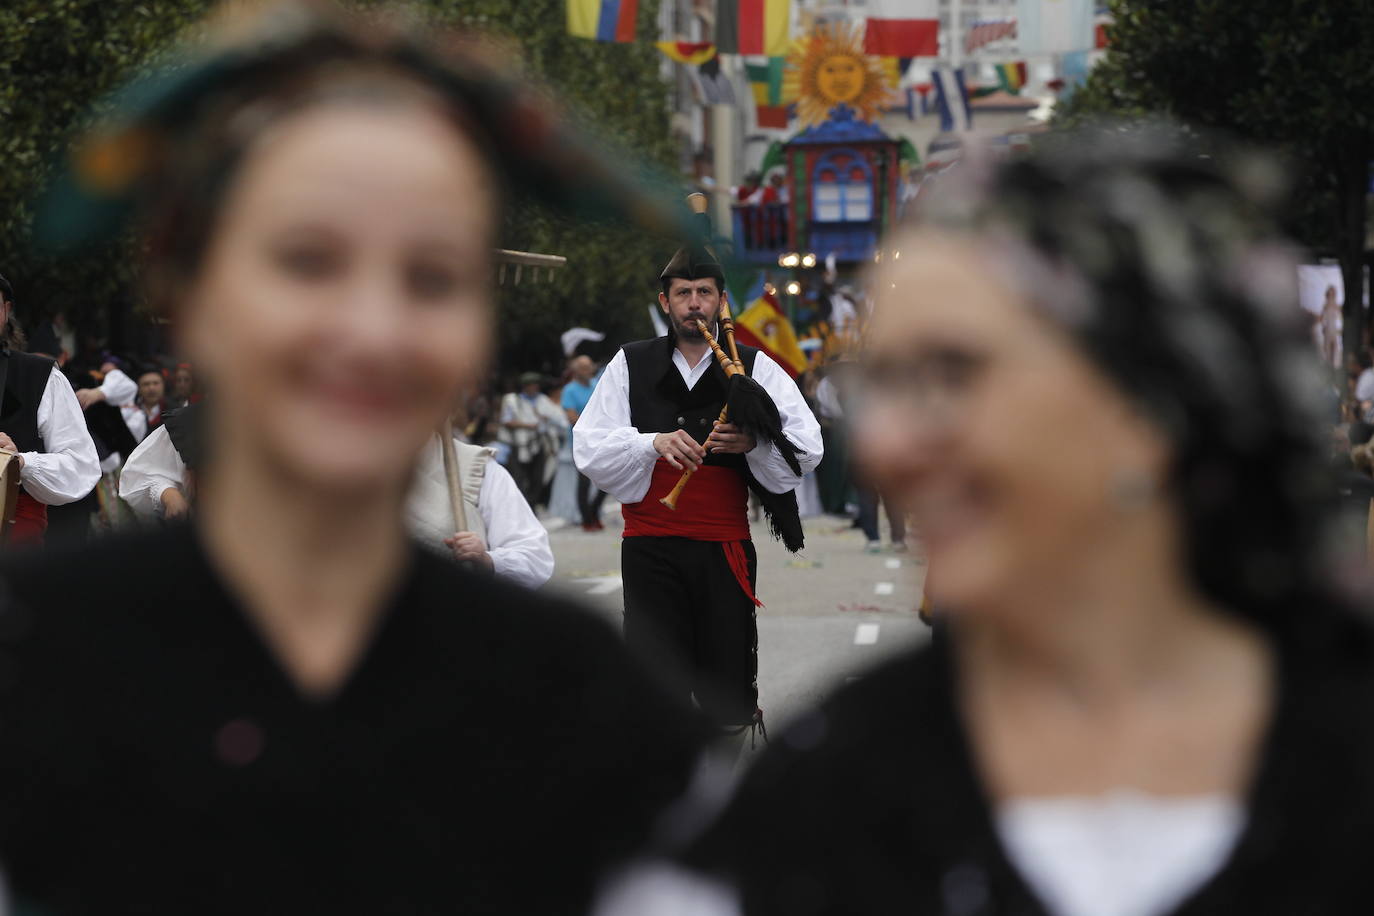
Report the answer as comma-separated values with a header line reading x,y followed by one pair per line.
x,y
841,171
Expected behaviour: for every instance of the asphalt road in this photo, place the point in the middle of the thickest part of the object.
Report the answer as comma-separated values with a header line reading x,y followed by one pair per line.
x,y
829,612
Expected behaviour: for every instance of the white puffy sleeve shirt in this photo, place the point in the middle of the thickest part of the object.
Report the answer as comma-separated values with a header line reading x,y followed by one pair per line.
x,y
517,541
153,467
69,468
620,459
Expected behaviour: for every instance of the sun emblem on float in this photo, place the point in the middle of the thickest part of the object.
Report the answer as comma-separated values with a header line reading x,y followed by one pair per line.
x,y
830,68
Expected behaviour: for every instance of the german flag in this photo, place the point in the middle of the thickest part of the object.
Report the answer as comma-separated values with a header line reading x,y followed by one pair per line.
x,y
688,52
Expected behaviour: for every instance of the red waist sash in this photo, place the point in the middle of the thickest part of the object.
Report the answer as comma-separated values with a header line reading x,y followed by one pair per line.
x,y
714,506
30,522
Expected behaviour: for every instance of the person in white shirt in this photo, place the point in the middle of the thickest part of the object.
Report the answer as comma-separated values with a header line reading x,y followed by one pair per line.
x,y
505,537
533,426
690,572
145,412
1365,383
117,390
41,421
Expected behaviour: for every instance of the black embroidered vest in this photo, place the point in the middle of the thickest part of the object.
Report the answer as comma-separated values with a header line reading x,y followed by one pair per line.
x,y
26,378
660,401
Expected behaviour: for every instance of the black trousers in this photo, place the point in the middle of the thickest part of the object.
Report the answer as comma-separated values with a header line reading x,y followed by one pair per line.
x,y
686,615
529,477
588,500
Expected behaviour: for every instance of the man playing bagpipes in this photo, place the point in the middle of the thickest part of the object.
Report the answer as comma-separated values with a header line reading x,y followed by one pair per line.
x,y
681,444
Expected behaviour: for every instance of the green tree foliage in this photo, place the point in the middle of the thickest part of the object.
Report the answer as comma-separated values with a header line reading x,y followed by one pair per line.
x,y
1296,75
59,57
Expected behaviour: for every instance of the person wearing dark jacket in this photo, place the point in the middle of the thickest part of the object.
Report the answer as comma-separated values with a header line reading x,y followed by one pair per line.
x,y
1089,383
306,711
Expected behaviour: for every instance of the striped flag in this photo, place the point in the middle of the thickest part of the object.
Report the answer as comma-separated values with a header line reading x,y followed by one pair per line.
x,y
687,52
1054,26
1012,77
765,79
902,28
986,31
952,96
754,27
603,20
713,84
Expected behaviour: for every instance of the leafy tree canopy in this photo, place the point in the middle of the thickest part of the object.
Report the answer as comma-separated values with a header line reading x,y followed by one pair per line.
x,y
1296,75
58,58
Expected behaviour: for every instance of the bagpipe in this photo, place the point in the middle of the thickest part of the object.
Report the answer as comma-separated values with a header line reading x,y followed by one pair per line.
x,y
748,406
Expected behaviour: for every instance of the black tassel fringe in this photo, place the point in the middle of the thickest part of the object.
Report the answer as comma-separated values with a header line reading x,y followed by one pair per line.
x,y
753,411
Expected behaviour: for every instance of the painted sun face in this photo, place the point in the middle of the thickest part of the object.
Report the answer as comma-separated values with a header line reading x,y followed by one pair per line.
x,y
841,78
829,68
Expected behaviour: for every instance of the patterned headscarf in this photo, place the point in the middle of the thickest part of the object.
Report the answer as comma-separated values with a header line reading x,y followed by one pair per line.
x,y
1166,265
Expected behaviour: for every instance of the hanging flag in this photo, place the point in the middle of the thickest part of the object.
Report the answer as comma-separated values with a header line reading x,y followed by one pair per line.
x,y
694,53
603,20
1012,77
903,28
754,27
772,158
574,336
952,97
713,86
771,116
765,79
763,325
985,31
1054,26
920,99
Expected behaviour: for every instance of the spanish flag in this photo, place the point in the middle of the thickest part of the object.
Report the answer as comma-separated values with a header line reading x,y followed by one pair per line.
x,y
687,52
754,27
603,20
763,325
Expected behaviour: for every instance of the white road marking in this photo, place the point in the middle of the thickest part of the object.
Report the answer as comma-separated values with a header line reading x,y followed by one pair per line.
x,y
866,634
603,585
894,563
884,588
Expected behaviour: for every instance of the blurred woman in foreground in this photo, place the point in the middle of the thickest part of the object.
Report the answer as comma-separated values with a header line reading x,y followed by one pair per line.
x,y
1089,384
301,711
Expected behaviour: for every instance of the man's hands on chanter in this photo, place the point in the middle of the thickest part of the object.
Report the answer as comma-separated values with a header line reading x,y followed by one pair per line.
x,y
728,439
682,451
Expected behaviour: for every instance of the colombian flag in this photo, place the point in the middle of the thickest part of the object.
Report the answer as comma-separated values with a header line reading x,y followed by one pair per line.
x,y
603,20
754,27
694,53
764,326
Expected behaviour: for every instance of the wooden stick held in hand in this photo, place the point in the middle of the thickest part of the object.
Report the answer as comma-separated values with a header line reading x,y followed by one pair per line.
x,y
455,486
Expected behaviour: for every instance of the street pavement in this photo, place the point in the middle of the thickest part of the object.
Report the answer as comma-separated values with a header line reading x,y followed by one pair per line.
x,y
829,613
